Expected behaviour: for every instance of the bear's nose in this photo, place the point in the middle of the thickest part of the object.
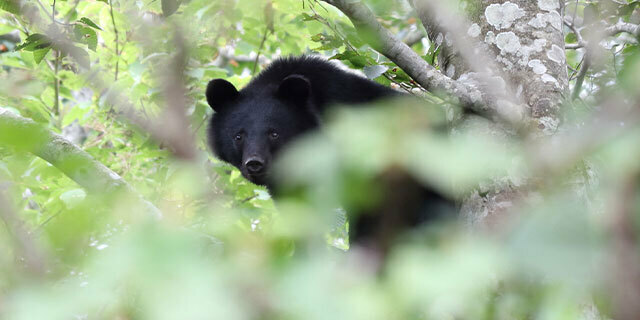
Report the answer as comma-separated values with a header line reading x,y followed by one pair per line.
x,y
254,165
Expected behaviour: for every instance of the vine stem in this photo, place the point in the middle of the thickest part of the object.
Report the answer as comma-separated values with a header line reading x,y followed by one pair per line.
x,y
115,29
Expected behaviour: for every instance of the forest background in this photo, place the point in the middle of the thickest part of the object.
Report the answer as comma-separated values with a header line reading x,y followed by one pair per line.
x,y
112,207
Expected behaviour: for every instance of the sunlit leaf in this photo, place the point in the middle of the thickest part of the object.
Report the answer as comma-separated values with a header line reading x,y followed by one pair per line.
x,y
90,23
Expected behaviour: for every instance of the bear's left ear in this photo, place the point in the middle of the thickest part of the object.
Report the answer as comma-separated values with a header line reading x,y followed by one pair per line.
x,y
219,93
295,88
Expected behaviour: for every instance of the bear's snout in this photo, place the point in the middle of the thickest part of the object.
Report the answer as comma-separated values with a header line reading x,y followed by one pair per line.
x,y
255,166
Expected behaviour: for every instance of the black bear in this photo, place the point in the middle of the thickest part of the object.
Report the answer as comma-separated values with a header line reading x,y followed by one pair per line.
x,y
285,100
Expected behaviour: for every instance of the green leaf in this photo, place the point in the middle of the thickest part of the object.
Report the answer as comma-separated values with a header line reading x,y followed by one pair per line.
x,y
39,54
627,9
73,197
307,17
358,61
12,6
90,23
86,35
375,71
34,42
318,37
169,7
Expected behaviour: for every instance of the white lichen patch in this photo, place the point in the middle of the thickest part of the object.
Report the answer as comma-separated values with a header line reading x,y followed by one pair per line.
x,y
439,39
502,16
480,81
508,65
542,19
476,96
451,70
508,42
538,45
448,40
537,66
550,124
490,37
474,30
549,78
556,54
549,5
468,79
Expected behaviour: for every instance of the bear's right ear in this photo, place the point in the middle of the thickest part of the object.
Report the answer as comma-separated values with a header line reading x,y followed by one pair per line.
x,y
296,88
219,93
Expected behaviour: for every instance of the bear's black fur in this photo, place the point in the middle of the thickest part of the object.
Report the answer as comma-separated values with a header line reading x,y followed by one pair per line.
x,y
287,99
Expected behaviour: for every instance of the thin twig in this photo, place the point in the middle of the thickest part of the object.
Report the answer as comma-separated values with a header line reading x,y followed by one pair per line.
x,y
586,63
264,38
115,31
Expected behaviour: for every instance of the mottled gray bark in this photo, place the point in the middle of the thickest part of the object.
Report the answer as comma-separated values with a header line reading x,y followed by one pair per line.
x,y
27,135
526,37
524,42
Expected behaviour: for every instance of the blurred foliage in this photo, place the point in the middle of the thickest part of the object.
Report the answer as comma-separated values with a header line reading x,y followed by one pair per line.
x,y
222,250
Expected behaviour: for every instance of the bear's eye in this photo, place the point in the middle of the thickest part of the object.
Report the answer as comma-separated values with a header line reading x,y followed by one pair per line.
x,y
238,137
274,135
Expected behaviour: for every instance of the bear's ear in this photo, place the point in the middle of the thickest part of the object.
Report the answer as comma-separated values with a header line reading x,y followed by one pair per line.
x,y
219,93
295,88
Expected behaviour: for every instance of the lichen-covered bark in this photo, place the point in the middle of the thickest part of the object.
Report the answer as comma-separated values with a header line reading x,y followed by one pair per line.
x,y
527,39
524,41
470,95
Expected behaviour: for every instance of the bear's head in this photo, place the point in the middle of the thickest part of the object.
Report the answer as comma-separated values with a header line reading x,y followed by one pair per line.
x,y
250,126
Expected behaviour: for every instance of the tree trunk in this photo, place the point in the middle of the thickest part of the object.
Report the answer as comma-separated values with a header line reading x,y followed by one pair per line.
x,y
524,42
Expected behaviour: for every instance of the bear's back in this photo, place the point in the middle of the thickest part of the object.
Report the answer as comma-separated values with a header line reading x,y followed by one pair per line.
x,y
330,84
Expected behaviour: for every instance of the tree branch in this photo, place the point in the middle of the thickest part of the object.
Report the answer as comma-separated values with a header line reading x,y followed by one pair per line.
x,y
423,73
413,37
440,19
622,26
610,31
26,134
